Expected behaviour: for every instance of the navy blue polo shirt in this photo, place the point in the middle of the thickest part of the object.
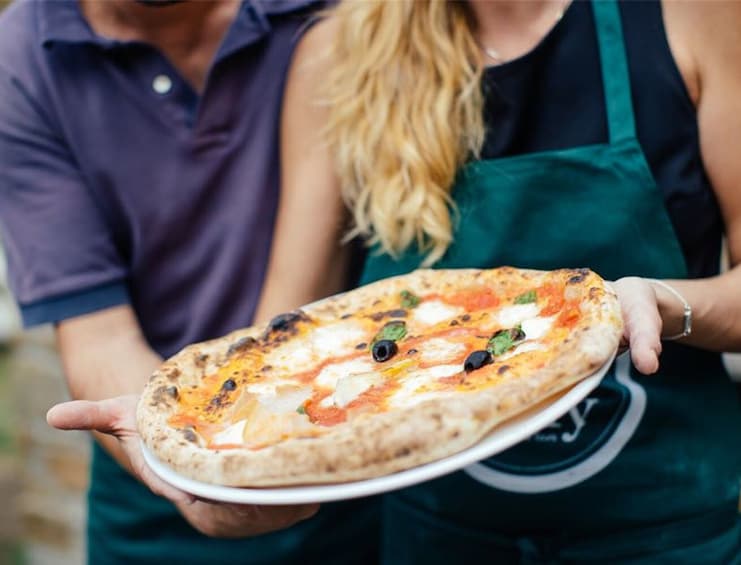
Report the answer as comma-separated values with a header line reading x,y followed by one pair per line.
x,y
119,184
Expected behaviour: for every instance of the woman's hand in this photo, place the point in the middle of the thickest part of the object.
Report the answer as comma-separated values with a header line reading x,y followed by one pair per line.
x,y
117,417
643,324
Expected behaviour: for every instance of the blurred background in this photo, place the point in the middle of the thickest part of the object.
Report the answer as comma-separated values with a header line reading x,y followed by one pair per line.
x,y
43,473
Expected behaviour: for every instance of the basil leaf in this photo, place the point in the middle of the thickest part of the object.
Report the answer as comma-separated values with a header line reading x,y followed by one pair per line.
x,y
409,300
526,297
499,343
504,340
301,410
394,331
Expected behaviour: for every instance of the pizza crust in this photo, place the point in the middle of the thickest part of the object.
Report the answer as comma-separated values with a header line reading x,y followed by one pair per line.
x,y
372,445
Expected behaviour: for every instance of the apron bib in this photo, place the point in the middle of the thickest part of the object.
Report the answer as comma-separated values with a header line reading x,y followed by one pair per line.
x,y
594,206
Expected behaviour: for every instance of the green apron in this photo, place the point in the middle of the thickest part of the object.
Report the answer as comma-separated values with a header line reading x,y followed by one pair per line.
x,y
645,468
128,524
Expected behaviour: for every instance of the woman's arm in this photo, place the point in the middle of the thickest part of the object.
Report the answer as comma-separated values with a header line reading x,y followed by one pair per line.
x,y
307,260
707,37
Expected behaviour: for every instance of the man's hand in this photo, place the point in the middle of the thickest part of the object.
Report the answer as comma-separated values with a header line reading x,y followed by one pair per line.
x,y
117,417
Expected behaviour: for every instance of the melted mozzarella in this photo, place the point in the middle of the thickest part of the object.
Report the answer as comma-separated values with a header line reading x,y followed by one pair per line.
x,y
286,400
290,355
268,388
328,340
330,374
407,394
352,386
231,435
510,316
522,348
535,328
434,311
439,349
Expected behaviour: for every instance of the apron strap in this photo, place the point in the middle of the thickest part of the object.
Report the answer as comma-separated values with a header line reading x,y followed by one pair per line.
x,y
615,75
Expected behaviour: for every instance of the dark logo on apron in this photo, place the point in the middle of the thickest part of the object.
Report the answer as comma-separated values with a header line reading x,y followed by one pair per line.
x,y
576,446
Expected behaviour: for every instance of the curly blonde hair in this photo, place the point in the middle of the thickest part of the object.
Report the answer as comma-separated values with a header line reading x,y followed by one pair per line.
x,y
405,112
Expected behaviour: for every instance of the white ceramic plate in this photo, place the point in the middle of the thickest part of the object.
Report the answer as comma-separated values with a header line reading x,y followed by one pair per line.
x,y
501,438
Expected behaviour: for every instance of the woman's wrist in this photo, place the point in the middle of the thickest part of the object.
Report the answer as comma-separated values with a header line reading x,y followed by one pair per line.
x,y
675,310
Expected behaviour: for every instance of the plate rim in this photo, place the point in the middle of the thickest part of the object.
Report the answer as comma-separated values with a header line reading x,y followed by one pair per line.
x,y
500,438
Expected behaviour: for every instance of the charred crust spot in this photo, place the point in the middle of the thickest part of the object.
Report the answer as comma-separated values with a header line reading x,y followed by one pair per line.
x,y
241,345
362,345
345,316
503,369
396,313
229,385
454,434
286,323
578,276
411,351
174,374
454,323
402,452
329,468
221,399
201,359
266,368
163,394
465,317
189,435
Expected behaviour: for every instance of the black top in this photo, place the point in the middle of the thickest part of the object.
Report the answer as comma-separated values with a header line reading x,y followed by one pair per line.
x,y
552,98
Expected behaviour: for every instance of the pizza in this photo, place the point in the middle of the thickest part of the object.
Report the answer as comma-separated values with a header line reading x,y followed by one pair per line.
x,y
383,378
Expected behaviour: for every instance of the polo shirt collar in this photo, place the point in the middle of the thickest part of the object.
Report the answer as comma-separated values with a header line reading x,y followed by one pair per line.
x,y
62,21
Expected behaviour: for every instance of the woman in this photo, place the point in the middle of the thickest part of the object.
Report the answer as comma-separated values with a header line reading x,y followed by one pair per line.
x,y
540,135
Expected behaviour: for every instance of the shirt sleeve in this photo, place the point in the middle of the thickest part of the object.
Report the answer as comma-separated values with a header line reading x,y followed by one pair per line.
x,y
62,259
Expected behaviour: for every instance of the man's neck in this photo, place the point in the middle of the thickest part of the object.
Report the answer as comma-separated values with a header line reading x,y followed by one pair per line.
x,y
187,33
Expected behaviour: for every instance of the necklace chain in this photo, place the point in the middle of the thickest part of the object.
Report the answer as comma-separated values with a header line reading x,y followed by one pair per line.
x,y
494,54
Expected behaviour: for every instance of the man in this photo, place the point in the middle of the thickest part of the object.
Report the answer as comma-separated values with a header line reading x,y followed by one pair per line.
x,y
138,185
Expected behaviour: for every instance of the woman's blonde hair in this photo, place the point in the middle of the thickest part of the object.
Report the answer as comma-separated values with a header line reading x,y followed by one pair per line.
x,y
405,112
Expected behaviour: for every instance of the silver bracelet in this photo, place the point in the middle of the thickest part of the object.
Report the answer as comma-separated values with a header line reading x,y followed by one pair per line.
x,y
687,317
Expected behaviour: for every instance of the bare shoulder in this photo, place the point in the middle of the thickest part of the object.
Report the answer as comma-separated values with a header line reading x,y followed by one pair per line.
x,y
705,38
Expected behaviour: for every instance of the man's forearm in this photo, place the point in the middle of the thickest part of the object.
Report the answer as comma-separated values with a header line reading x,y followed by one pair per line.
x,y
105,355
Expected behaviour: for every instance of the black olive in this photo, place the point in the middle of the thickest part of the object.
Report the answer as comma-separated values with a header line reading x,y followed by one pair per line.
x,y
284,322
476,360
229,384
384,349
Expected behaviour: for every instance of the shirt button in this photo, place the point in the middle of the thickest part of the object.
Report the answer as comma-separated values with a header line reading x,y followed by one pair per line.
x,y
162,84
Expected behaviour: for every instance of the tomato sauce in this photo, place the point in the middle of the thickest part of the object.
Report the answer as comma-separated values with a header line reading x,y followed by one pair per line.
x,y
553,296
472,299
